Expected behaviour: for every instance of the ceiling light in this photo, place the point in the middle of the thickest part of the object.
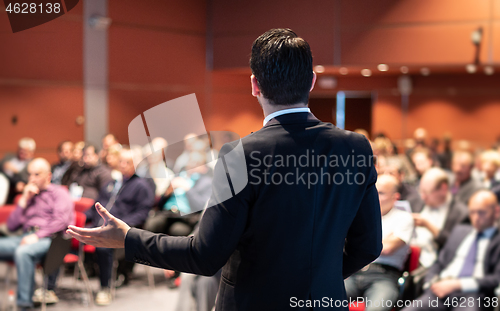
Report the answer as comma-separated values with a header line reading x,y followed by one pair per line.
x,y
471,68
366,72
343,71
382,67
425,71
319,69
404,69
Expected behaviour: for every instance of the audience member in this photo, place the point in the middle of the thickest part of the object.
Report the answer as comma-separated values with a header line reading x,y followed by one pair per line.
x,y
468,267
91,177
490,164
156,167
65,154
422,160
183,158
107,141
394,166
436,217
129,199
43,210
15,166
379,280
463,185
446,155
113,161
189,193
4,189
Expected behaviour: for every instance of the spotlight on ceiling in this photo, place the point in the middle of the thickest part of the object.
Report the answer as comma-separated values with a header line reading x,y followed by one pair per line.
x,y
319,69
383,67
366,72
471,68
404,69
343,71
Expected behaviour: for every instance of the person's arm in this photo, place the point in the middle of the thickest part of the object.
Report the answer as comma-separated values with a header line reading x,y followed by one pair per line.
x,y
204,253
391,243
14,221
363,243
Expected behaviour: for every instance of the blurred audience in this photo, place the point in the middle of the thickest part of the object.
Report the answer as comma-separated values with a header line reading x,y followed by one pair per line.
x,y
65,154
43,209
113,161
463,184
379,280
436,217
129,199
394,166
15,166
91,177
188,194
423,160
107,141
468,267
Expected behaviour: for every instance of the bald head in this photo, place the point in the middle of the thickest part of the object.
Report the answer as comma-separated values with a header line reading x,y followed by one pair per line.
x,y
39,173
434,187
483,209
40,164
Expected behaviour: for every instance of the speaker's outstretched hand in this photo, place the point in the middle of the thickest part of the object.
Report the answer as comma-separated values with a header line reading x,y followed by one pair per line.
x,y
110,235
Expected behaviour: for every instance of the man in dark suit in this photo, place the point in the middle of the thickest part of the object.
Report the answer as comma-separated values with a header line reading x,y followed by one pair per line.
x,y
130,199
307,218
468,268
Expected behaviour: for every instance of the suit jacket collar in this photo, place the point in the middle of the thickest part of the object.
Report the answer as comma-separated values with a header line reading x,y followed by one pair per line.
x,y
291,118
494,243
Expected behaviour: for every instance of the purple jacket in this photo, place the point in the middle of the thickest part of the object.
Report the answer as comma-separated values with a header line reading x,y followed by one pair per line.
x,y
52,210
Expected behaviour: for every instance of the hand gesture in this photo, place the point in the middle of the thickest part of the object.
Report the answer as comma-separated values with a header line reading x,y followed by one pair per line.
x,y
110,235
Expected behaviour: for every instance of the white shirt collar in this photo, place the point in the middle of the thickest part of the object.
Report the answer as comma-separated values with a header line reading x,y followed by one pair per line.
x,y
284,111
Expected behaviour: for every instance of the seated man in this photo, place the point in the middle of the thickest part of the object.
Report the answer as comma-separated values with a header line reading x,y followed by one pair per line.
x,y
129,199
379,280
468,267
65,154
15,167
437,215
91,177
43,210
463,184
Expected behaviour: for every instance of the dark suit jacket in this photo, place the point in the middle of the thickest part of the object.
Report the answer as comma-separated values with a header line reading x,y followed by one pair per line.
x,y
132,203
279,240
457,214
491,277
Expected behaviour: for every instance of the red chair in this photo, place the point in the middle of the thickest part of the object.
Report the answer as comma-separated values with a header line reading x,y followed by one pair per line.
x,y
83,204
5,212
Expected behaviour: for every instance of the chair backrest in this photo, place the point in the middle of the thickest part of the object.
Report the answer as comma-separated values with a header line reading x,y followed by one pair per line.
x,y
83,204
413,261
54,258
80,219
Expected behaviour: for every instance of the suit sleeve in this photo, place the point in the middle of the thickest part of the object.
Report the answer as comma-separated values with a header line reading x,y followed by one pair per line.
x,y
363,242
209,249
